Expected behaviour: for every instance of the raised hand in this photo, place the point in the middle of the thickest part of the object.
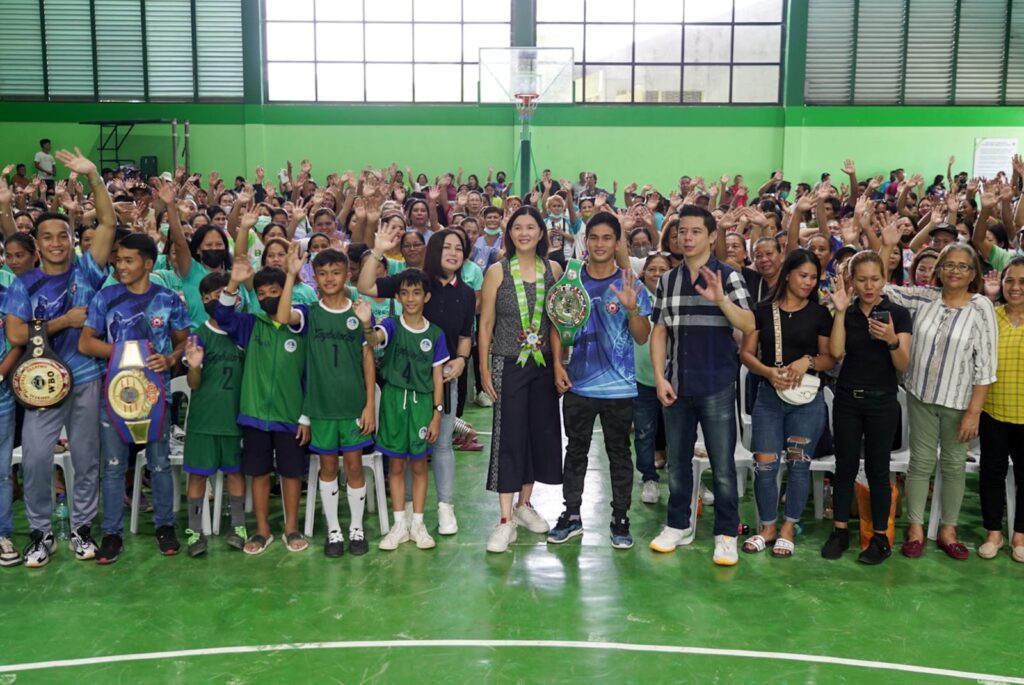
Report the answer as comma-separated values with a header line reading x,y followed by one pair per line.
x,y
1018,165
988,197
724,179
241,271
165,192
849,168
627,293
387,238
76,161
193,352
295,258
713,291
972,187
249,219
674,200
6,196
305,167
363,311
891,233
434,194
992,285
840,295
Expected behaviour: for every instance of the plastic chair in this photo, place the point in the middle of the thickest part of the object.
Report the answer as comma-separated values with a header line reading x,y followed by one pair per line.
x,y
373,465
744,417
63,460
819,467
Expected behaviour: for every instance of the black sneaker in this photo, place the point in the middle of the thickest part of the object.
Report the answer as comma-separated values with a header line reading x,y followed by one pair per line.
x,y
40,546
878,550
334,546
837,543
621,539
197,542
167,540
111,547
357,545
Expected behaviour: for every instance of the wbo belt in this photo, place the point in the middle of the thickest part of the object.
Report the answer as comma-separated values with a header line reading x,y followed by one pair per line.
x,y
136,395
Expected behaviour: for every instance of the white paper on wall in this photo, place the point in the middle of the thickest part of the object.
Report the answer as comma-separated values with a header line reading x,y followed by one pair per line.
x,y
992,155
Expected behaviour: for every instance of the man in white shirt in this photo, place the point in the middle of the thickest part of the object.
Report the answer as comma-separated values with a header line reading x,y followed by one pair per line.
x,y
45,163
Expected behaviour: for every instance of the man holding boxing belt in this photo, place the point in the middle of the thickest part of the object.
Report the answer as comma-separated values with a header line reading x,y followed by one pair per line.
x,y
141,328
56,293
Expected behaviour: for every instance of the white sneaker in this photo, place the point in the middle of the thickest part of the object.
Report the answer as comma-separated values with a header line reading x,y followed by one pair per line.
x,y
707,497
398,534
503,535
725,551
526,516
82,544
418,534
9,555
670,538
39,549
650,493
446,523
484,400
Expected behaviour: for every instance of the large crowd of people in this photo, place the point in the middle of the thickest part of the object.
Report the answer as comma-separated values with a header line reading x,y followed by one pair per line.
x,y
334,313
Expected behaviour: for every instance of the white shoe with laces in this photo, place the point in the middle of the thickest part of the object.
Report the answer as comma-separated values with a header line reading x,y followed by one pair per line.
x,y
9,555
650,493
418,534
446,521
725,551
483,399
503,535
398,534
527,517
670,538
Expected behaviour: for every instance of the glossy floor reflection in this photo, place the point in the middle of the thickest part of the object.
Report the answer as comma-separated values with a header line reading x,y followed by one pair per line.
x,y
933,612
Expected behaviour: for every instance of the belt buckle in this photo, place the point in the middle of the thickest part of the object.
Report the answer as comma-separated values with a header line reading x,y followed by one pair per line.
x,y
858,394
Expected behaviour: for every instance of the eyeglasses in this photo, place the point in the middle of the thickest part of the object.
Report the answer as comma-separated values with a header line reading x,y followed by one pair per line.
x,y
959,267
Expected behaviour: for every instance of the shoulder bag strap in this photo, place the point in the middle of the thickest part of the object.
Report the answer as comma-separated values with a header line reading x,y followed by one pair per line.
x,y
777,320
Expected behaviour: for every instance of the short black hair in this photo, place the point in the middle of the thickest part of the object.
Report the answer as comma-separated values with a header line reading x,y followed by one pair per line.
x,y
330,256
20,166
142,243
490,209
413,277
43,141
268,275
694,210
215,280
49,216
604,218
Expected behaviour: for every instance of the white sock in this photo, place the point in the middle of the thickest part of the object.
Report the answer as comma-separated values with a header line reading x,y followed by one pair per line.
x,y
417,518
356,504
329,498
399,517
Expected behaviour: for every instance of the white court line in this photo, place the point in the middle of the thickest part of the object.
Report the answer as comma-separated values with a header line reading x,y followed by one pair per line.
x,y
491,644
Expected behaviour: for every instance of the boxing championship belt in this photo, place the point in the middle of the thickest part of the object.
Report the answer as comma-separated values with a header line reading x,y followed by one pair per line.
x,y
568,304
136,395
41,379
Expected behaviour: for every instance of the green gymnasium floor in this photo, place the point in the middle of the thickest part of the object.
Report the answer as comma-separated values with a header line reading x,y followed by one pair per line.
x,y
576,613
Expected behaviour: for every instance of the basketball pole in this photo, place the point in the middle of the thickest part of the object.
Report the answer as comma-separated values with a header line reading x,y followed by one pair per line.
x,y
525,159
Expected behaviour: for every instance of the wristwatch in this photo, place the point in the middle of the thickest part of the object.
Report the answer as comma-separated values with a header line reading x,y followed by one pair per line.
x,y
439,408
894,346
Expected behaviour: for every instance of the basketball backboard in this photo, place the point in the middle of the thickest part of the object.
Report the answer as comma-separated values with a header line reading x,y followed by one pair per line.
x,y
505,72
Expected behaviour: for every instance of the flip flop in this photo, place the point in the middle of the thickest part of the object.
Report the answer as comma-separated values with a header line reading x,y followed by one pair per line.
x,y
257,539
289,538
758,543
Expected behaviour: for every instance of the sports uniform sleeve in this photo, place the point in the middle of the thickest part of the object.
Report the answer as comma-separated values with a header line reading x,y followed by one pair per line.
x,y
387,326
237,325
178,317
89,272
643,299
18,303
96,318
440,350
303,325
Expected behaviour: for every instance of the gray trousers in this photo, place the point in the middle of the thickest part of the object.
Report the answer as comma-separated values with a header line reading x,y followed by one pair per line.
x,y
81,414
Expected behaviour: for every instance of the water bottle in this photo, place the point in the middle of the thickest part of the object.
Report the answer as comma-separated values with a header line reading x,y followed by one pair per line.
x,y
62,529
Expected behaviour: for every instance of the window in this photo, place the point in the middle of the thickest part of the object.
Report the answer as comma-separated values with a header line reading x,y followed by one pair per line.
x,y
380,50
117,50
914,52
669,51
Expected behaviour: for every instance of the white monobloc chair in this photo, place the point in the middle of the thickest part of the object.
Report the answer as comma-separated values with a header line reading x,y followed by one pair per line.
x,y
63,460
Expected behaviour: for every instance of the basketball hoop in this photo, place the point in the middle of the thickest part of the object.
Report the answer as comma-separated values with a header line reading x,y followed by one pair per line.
x,y
526,105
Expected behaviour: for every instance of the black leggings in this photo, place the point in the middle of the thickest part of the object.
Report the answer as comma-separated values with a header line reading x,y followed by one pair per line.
x,y
1000,441
867,419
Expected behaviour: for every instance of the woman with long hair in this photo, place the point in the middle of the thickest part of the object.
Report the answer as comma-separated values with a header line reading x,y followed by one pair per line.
x,y
517,372
1002,421
872,337
952,364
792,331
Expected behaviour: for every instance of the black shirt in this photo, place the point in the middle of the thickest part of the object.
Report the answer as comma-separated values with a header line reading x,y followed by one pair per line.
x,y
451,307
800,331
756,285
868,363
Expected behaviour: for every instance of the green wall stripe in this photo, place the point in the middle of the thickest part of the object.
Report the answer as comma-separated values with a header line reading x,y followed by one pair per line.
x,y
632,116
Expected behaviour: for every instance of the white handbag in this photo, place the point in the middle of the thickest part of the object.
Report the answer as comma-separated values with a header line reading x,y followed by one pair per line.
x,y
809,385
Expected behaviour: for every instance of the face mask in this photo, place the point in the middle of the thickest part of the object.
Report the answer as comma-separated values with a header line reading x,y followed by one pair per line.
x,y
492,231
210,308
262,223
269,305
165,228
214,258
587,213
312,255
641,252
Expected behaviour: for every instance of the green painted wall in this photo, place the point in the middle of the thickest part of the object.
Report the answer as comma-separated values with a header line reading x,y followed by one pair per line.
x,y
642,143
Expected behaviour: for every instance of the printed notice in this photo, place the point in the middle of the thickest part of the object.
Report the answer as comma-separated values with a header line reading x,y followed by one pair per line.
x,y
992,155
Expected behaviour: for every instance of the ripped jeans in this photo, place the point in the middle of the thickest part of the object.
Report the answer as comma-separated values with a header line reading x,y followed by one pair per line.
x,y
788,432
114,465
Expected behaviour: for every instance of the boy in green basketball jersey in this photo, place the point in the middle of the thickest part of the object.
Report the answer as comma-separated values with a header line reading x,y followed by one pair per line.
x,y
271,402
410,405
213,438
339,408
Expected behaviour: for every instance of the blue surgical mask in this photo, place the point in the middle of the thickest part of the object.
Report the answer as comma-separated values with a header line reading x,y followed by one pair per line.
x,y
262,223
784,194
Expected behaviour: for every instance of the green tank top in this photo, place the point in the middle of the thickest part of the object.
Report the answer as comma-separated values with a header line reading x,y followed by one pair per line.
x,y
335,388
213,408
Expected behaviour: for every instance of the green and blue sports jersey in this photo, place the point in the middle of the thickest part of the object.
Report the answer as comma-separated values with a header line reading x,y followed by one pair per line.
x,y
6,398
602,362
410,355
37,295
213,408
117,314
335,386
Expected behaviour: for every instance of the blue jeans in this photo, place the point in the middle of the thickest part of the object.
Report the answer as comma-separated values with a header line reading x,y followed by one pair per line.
x,y
790,431
442,456
645,426
716,415
115,465
6,486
